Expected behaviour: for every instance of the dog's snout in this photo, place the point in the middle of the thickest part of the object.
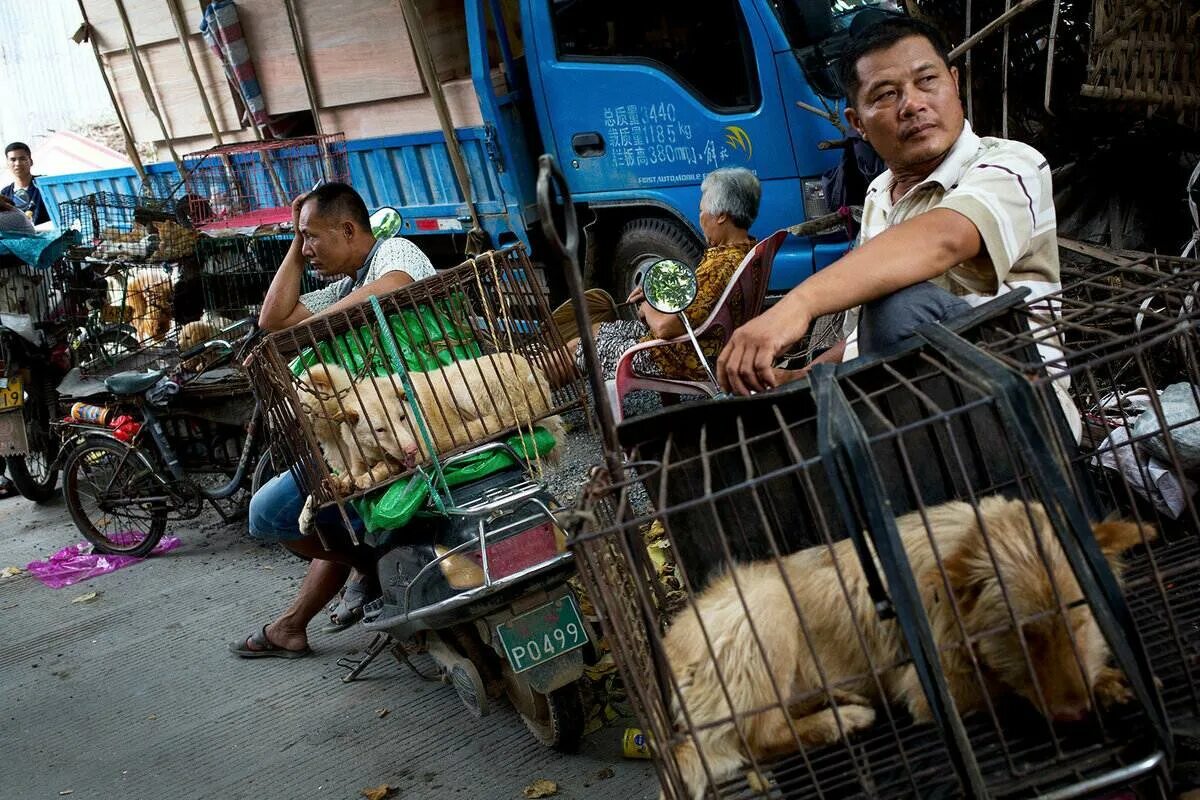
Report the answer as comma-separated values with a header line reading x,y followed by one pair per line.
x,y
1074,713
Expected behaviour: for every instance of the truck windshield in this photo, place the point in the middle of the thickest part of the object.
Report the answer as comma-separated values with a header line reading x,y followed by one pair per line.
x,y
792,15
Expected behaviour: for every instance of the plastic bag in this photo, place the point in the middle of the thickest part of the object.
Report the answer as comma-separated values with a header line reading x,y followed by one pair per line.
x,y
1183,424
429,337
394,506
78,562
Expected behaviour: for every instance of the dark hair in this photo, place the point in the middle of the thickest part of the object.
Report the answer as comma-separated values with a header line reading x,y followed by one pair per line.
x,y
341,200
881,34
18,146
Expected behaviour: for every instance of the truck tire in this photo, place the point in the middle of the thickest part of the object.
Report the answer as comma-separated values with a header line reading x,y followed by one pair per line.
x,y
643,241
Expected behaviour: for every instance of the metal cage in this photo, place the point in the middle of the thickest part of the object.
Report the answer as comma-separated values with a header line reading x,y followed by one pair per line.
x,y
363,397
124,228
815,629
253,183
236,271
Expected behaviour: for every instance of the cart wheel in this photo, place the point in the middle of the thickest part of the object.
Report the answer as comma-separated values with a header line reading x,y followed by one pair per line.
x,y
102,484
560,719
264,471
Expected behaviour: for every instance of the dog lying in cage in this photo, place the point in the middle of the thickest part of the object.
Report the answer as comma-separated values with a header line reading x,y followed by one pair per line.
x,y
368,435
839,635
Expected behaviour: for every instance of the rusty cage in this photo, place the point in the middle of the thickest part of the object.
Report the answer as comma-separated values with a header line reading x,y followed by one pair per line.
x,y
362,397
119,282
802,605
249,184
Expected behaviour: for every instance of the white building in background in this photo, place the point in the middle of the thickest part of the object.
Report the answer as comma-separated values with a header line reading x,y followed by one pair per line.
x,y
47,82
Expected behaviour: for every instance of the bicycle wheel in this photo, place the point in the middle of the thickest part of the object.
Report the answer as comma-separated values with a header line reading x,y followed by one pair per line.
x,y
114,500
31,473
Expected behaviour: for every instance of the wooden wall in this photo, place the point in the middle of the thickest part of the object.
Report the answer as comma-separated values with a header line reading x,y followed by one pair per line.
x,y
364,71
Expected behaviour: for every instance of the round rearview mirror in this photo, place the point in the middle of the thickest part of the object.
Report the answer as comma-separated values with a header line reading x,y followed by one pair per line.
x,y
669,286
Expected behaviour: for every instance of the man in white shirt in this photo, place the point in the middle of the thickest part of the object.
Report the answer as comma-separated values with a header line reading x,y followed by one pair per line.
x,y
333,233
954,221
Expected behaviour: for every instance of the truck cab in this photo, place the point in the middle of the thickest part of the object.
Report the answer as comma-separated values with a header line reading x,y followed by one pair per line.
x,y
638,101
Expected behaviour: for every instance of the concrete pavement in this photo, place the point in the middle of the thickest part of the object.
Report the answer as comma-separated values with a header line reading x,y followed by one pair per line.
x,y
133,695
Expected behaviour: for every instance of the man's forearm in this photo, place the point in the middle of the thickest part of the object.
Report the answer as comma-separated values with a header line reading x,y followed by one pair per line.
x,y
922,248
284,293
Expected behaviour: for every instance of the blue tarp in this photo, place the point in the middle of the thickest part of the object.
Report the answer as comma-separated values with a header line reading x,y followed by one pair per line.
x,y
40,250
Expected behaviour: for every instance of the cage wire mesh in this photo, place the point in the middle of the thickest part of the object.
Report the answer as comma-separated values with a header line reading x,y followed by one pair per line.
x,y
776,649
362,397
25,292
236,271
125,228
253,183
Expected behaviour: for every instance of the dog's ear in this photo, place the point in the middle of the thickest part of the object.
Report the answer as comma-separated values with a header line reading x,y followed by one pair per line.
x,y
966,581
1117,536
350,415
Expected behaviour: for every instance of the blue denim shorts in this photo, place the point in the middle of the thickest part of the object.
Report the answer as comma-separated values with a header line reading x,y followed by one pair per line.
x,y
275,508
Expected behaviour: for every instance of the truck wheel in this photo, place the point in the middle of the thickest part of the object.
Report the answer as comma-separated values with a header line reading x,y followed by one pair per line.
x,y
643,241
560,720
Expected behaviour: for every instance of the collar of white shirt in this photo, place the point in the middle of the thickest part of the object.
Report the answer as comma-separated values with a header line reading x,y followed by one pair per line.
x,y
947,174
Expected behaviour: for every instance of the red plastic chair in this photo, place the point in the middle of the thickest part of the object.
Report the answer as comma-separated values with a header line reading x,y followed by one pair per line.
x,y
751,277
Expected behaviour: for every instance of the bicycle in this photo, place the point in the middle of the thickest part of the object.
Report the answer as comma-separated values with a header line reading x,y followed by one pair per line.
x,y
122,484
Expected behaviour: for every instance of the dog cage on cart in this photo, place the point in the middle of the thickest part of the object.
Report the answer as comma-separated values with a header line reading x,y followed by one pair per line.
x,y
362,398
903,577
122,282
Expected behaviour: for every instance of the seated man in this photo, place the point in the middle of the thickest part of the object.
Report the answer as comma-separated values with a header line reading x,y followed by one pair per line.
x,y
333,233
728,206
954,221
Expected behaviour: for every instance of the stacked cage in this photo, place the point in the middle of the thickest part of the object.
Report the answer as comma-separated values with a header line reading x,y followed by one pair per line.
x,y
253,183
362,397
120,280
906,579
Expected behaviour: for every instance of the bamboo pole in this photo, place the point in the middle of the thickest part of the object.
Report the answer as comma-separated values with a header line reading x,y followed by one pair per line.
x,y
181,34
144,81
476,238
988,29
302,57
87,33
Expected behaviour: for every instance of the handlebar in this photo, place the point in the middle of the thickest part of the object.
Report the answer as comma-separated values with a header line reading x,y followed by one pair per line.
x,y
225,344
550,181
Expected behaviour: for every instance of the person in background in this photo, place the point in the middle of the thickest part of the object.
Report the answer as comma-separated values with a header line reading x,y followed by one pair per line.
x,y
23,192
729,201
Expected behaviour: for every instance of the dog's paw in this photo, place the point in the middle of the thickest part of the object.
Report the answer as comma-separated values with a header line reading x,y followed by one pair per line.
x,y
363,481
1111,688
758,783
855,718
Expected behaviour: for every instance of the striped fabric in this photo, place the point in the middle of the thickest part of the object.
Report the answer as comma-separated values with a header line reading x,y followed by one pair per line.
x,y
222,31
1003,187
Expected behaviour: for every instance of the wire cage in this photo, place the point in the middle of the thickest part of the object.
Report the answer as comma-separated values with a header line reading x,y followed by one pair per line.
x,y
25,293
253,183
363,397
236,271
125,228
901,579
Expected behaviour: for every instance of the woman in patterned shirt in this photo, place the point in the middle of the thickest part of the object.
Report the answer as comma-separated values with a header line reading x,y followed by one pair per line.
x,y
728,206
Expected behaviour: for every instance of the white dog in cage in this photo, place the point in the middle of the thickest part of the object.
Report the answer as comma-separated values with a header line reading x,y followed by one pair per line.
x,y
806,679
368,434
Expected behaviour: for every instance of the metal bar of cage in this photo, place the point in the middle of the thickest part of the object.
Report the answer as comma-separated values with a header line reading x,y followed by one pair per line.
x,y
937,434
478,345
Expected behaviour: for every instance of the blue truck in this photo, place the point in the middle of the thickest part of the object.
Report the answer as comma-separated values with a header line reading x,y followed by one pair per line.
x,y
637,101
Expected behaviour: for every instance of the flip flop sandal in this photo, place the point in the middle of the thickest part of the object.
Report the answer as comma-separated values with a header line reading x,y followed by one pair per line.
x,y
264,647
348,609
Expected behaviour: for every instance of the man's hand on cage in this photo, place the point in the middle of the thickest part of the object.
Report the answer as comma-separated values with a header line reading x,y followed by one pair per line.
x,y
746,363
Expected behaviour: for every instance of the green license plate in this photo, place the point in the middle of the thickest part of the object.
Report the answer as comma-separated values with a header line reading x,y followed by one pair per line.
x,y
542,634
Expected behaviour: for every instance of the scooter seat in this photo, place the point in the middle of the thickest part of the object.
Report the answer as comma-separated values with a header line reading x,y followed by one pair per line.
x,y
132,382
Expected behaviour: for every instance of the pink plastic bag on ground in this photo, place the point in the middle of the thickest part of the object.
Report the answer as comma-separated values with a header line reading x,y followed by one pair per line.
x,y
78,562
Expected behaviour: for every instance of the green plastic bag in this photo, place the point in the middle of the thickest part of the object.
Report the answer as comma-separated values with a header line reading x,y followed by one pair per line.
x,y
394,506
431,336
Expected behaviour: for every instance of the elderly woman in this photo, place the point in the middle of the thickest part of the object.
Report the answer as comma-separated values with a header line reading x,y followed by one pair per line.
x,y
728,205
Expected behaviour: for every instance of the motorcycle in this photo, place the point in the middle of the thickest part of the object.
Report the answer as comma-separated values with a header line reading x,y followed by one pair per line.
x,y
481,582
32,363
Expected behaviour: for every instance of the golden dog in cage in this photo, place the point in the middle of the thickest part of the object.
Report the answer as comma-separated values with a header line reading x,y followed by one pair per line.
x,y
762,651
367,434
